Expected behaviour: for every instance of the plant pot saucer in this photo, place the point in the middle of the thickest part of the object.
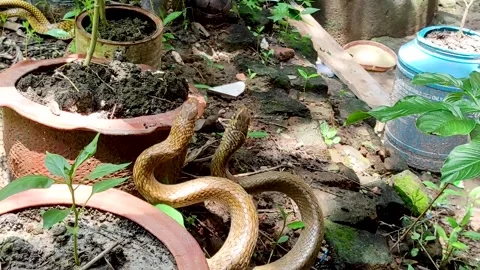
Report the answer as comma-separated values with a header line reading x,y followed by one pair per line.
x,y
371,55
183,247
10,97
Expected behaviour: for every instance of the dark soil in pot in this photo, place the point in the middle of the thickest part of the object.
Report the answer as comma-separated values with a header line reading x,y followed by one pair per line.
x,y
24,244
449,40
123,26
116,90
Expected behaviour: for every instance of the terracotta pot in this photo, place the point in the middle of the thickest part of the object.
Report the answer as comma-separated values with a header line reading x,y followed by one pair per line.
x,y
146,51
186,251
30,129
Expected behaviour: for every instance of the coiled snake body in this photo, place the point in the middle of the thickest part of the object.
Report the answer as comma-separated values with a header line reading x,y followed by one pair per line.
x,y
38,21
164,161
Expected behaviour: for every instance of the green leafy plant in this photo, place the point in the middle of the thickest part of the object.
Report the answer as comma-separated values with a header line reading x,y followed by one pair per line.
x,y
456,114
60,167
3,20
167,21
266,56
306,77
31,35
251,74
281,238
329,134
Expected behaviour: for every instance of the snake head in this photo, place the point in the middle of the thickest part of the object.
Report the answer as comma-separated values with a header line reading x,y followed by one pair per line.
x,y
189,110
240,120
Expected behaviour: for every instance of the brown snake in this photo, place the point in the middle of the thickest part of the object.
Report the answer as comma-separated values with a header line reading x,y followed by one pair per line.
x,y
164,161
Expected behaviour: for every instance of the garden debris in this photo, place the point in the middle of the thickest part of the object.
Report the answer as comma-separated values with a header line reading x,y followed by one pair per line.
x,y
233,89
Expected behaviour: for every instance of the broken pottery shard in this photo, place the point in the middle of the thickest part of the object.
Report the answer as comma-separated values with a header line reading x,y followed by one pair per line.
x,y
323,69
233,89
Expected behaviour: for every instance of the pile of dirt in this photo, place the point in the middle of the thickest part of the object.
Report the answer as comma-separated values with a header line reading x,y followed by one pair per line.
x,y
450,40
24,244
120,90
126,30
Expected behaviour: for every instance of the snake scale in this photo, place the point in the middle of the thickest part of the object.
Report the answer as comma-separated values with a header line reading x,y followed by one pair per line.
x,y
38,21
164,161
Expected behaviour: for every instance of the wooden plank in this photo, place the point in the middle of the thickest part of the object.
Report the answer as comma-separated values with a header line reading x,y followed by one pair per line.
x,y
362,84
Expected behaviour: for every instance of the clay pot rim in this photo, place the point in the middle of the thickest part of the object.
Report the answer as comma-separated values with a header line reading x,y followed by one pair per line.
x,y
378,45
11,98
180,243
158,25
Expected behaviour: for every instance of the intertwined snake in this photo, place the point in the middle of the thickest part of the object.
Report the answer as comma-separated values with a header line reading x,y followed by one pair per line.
x,y
164,161
38,21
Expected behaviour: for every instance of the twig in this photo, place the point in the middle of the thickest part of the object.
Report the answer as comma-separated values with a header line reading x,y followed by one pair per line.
x,y
199,73
98,76
261,171
428,254
109,264
198,152
419,217
162,99
191,175
99,256
113,110
68,79
271,123
203,159
272,240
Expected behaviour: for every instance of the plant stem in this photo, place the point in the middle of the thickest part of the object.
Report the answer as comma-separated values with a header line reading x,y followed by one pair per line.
x,y
75,225
276,241
93,41
103,16
419,217
468,5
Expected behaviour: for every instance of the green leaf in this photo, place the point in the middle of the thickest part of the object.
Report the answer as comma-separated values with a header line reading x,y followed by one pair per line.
x,y
444,123
172,16
474,193
415,236
462,163
410,267
414,252
430,238
280,12
452,222
107,184
58,33
296,225
466,218
336,140
86,153
57,165
475,82
309,10
72,230
202,86
106,169
282,239
459,245
409,105
475,134
54,216
171,212
331,133
71,14
303,73
431,185
436,78
168,36
441,232
472,235
454,97
25,183
258,134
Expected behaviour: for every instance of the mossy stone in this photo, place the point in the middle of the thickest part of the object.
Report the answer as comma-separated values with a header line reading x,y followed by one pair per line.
x,y
411,190
302,45
357,248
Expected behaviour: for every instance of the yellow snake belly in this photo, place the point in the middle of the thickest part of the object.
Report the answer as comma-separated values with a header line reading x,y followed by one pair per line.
x,y
38,21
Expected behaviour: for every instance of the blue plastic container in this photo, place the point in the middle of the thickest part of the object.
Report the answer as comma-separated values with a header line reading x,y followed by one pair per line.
x,y
423,151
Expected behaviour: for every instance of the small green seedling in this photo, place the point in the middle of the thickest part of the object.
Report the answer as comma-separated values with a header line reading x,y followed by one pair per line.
x,y
306,77
3,20
31,35
169,36
251,74
329,134
296,225
60,167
